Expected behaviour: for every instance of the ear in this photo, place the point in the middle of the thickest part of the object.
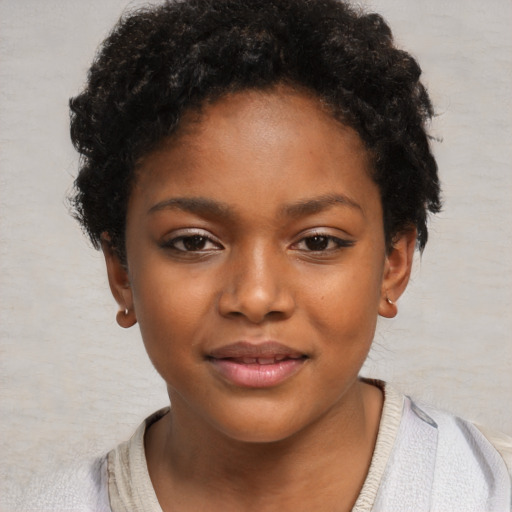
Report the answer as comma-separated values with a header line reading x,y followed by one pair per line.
x,y
397,271
119,284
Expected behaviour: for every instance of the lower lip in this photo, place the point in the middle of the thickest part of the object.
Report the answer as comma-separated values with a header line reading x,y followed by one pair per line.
x,y
257,375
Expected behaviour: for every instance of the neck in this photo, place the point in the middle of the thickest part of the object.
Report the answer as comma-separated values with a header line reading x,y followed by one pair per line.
x,y
190,461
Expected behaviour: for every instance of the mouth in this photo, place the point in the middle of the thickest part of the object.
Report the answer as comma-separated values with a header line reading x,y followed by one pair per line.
x,y
259,365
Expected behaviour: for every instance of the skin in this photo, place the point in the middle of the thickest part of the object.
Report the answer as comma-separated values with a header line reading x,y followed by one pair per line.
x,y
268,171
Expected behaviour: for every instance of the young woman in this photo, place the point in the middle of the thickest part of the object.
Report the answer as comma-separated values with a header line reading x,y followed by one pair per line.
x,y
258,175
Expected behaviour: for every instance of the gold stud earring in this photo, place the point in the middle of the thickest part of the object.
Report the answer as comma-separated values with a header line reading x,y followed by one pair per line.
x,y
389,301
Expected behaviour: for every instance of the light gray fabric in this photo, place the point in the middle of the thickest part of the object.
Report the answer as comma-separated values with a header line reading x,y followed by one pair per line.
x,y
81,488
442,463
471,474
407,480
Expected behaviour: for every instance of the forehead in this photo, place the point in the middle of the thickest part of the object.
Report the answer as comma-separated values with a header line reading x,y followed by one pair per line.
x,y
268,116
278,145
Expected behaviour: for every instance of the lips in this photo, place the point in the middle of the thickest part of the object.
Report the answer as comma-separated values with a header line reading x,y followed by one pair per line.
x,y
256,365
261,360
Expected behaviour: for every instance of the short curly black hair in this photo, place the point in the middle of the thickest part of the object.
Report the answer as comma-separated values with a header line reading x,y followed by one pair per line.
x,y
161,61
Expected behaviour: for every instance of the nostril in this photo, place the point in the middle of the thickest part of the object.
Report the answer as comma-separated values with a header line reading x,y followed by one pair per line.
x,y
256,294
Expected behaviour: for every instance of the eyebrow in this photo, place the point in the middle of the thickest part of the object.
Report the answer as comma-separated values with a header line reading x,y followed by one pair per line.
x,y
200,205
318,204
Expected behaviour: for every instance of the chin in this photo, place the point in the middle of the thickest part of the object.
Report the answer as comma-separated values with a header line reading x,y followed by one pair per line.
x,y
261,427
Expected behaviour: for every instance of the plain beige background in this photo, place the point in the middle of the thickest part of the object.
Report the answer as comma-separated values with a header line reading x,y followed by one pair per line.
x,y
73,383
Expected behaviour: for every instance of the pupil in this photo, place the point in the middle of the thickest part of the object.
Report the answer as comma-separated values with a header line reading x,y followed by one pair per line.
x,y
317,243
194,243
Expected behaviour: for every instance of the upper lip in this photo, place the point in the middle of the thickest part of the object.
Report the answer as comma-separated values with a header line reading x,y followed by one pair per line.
x,y
267,349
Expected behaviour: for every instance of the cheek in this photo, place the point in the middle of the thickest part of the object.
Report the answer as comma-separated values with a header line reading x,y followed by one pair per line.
x,y
172,311
346,310
349,296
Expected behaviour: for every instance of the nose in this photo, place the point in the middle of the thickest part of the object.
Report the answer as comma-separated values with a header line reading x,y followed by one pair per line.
x,y
257,286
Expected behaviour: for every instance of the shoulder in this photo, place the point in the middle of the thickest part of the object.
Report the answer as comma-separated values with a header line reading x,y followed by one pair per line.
x,y
474,460
480,444
440,462
82,487
501,442
470,468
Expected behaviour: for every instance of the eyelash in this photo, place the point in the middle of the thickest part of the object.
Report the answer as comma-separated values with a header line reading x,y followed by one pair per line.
x,y
200,238
339,242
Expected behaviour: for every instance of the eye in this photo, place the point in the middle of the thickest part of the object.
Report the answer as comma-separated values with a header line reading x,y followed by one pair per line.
x,y
322,243
192,243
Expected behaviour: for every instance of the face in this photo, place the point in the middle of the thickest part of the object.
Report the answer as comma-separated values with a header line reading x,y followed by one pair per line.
x,y
256,264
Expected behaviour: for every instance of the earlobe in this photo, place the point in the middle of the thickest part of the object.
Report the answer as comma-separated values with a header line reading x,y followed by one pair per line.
x,y
397,272
126,318
119,283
